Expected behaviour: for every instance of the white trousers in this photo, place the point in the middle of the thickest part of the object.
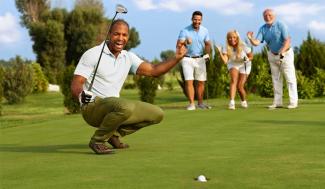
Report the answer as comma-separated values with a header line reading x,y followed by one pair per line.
x,y
194,69
287,69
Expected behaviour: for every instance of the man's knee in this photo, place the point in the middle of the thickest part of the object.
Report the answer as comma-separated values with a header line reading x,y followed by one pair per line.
x,y
159,115
126,109
122,107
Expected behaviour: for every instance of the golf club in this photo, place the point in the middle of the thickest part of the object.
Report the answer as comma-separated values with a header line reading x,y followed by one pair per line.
x,y
251,47
207,88
280,67
119,9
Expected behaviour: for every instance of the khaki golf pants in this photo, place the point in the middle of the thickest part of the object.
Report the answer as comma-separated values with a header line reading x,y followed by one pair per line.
x,y
120,117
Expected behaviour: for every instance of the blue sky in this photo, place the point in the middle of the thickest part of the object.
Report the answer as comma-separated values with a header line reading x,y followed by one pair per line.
x,y
159,21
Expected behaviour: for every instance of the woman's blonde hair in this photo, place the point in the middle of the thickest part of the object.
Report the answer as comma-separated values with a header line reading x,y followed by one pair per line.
x,y
238,48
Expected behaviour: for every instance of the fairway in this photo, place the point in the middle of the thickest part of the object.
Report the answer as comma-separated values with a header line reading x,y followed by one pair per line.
x,y
246,148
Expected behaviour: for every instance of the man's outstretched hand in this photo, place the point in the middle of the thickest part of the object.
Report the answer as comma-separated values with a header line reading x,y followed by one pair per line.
x,y
181,51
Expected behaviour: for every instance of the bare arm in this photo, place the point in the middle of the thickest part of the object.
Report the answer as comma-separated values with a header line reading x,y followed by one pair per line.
x,y
253,41
207,47
250,56
285,46
76,85
223,56
156,70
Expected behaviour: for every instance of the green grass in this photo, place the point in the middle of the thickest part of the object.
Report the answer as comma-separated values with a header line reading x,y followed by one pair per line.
x,y
41,147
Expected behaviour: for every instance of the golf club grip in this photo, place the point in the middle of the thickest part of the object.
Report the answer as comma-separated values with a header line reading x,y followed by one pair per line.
x,y
100,56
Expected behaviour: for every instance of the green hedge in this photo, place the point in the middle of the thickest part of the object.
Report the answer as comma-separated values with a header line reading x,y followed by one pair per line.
x,y
17,81
40,83
306,86
1,88
147,88
69,102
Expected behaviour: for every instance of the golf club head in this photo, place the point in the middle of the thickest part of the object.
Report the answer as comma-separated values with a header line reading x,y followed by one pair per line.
x,y
121,9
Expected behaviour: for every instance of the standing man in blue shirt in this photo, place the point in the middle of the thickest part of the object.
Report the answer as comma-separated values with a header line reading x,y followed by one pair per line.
x,y
280,56
197,40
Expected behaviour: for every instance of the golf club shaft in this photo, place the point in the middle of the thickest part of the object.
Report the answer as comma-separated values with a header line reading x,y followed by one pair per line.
x,y
100,56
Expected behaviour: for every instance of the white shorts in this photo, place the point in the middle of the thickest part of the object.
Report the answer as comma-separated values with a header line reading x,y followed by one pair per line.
x,y
241,67
194,69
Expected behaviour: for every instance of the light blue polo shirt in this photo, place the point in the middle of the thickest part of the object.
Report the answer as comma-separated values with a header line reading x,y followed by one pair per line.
x,y
273,35
111,72
198,39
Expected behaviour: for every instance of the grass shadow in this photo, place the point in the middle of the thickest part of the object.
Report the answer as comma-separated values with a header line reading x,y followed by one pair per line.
x,y
65,148
292,122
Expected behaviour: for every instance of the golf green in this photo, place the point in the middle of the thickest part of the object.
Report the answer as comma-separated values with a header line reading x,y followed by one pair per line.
x,y
247,148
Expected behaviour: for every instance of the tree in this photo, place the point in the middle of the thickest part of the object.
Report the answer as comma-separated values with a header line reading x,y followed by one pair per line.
x,y
82,28
167,54
40,83
17,88
46,28
260,80
134,39
87,27
1,88
90,4
31,10
311,55
217,77
71,104
50,48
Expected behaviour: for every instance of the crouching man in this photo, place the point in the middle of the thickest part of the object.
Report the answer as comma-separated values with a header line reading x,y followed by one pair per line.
x,y
101,107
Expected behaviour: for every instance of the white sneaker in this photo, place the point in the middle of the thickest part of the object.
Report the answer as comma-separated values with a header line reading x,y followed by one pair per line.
x,y
203,106
292,106
191,107
244,104
274,106
231,106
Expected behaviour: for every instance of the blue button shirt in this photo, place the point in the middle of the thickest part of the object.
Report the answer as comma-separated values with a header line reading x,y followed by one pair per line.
x,y
198,39
273,35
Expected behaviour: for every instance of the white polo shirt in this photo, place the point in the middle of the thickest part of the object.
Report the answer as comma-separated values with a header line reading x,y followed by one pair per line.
x,y
111,72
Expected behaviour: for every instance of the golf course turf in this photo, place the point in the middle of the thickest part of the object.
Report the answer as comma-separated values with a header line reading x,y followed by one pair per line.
x,y
41,147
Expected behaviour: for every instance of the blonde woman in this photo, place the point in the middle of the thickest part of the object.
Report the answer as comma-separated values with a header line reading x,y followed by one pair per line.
x,y
237,55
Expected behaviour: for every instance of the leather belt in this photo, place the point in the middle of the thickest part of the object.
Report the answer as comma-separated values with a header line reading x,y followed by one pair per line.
x,y
200,56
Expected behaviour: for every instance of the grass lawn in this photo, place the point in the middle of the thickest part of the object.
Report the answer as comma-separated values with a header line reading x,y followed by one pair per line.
x,y
41,147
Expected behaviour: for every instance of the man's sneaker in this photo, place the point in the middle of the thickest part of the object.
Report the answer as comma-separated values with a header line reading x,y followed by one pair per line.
x,y
203,106
191,107
231,106
116,143
292,106
244,104
100,148
274,106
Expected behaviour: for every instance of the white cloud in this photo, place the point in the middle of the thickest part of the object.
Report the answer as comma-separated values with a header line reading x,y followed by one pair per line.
x,y
317,26
145,4
230,7
9,28
294,13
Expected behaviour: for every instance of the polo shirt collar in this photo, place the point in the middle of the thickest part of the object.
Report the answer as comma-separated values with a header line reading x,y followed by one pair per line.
x,y
272,25
108,52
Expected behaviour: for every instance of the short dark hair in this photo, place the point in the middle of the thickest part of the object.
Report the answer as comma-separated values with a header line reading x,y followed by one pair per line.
x,y
197,13
118,21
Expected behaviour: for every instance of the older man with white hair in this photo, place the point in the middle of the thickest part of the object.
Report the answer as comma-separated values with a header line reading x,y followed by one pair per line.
x,y
280,56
